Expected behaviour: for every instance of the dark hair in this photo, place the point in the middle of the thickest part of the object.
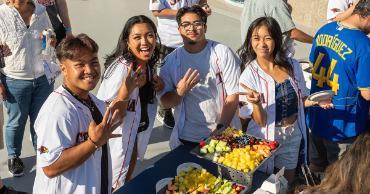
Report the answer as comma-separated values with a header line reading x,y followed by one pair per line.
x,y
362,8
122,49
247,54
70,48
349,174
193,9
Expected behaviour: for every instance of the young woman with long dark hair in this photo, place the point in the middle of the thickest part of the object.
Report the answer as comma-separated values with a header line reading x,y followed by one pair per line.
x,y
130,77
274,89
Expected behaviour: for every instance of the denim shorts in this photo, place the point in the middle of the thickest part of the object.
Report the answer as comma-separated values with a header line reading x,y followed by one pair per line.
x,y
289,138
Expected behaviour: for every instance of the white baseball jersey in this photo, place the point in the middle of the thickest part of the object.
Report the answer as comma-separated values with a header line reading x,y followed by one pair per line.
x,y
167,26
223,71
61,124
121,148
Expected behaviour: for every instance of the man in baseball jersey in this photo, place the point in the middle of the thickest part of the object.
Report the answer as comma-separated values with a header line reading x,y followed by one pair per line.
x,y
340,56
201,81
72,154
165,11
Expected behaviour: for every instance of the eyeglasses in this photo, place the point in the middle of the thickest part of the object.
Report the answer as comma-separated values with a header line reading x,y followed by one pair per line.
x,y
196,25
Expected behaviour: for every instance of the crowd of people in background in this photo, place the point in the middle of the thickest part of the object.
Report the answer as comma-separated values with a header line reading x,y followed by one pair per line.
x,y
90,144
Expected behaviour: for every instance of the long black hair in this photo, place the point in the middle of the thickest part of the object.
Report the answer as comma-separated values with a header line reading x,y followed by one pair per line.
x,y
247,54
122,49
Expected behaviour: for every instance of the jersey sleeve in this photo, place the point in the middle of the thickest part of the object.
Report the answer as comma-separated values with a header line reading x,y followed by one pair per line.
x,y
362,75
155,5
166,73
112,81
231,71
245,108
55,133
298,76
281,14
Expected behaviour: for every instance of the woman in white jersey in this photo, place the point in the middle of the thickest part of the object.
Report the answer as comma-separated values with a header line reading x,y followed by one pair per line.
x,y
275,92
129,76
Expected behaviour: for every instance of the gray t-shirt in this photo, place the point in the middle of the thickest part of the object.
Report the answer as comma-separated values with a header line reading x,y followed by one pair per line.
x,y
200,104
278,9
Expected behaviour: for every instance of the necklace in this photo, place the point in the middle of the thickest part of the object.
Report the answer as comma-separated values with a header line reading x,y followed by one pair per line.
x,y
87,102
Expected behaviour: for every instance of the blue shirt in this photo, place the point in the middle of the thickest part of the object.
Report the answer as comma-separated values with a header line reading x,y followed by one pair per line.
x,y
341,60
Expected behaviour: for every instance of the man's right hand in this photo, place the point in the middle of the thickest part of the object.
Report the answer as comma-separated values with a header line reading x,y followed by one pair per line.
x,y
190,79
100,134
5,50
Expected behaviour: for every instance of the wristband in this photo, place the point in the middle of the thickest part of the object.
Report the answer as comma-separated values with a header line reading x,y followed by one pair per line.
x,y
95,144
68,29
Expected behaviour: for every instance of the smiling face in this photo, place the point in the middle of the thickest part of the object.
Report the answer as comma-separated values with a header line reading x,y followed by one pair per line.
x,y
141,42
82,75
192,28
262,42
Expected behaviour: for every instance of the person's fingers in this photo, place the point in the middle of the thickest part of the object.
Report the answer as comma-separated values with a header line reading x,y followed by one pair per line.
x,y
92,124
247,89
193,76
106,117
129,72
187,74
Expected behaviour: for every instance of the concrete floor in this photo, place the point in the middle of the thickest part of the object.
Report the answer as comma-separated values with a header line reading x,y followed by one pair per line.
x,y
103,21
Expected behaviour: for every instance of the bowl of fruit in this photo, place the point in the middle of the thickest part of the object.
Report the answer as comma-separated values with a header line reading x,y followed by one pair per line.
x,y
194,180
237,154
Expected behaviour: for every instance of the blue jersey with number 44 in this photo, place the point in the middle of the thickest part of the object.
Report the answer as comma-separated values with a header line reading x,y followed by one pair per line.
x,y
341,63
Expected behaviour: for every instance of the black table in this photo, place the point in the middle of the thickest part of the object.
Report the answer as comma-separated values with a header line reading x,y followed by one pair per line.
x,y
145,182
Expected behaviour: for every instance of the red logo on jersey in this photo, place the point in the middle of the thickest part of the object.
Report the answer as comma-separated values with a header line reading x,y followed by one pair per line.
x,y
43,149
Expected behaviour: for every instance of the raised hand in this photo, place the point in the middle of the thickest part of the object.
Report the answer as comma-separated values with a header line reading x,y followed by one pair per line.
x,y
325,104
207,9
130,82
141,76
251,95
5,50
190,79
100,134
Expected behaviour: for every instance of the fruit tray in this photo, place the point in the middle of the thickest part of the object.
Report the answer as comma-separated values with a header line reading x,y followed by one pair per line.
x,y
192,178
237,155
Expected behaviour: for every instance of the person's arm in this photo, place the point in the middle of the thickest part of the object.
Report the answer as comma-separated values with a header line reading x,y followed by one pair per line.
x,y
344,15
170,99
300,36
201,2
164,13
127,87
259,115
64,16
365,94
229,109
173,98
70,158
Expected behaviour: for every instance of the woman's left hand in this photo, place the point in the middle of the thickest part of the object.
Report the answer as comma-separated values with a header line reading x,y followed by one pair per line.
x,y
325,104
158,83
53,42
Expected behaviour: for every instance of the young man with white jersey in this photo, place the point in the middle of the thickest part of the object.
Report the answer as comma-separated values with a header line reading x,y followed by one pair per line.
x,y
72,154
165,11
201,81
